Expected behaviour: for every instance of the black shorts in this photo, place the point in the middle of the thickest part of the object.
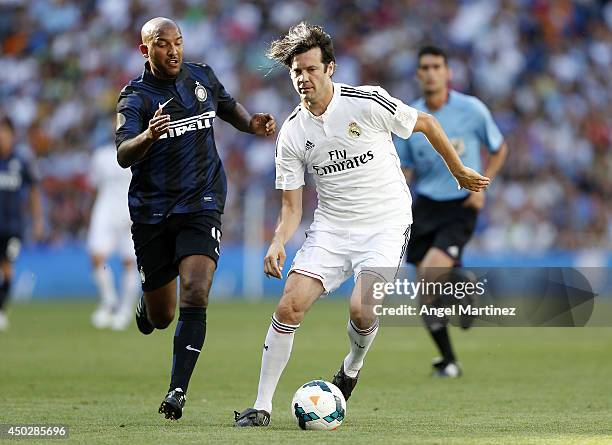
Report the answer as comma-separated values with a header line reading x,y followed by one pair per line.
x,y
447,225
160,247
10,246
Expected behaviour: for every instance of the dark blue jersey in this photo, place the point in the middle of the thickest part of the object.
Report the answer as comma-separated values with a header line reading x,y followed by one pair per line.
x,y
181,172
16,177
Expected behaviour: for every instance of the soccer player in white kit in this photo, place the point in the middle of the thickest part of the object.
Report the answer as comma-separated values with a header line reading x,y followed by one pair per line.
x,y
109,232
342,136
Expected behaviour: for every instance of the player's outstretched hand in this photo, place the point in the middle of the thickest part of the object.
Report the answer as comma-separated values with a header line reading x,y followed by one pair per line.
x,y
263,124
471,180
274,260
159,124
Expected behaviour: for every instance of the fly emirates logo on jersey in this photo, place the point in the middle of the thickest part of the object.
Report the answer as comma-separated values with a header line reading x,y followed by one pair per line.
x,y
340,162
182,126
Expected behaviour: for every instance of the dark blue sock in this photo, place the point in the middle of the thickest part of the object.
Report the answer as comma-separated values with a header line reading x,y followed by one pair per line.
x,y
442,341
188,341
5,288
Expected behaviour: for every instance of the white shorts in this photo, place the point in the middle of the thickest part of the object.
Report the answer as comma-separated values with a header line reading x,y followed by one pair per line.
x,y
331,255
110,231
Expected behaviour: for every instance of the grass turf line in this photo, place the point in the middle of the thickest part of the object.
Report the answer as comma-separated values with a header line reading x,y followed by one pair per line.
x,y
521,386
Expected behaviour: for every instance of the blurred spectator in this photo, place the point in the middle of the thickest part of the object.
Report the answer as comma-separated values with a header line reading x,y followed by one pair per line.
x,y
541,66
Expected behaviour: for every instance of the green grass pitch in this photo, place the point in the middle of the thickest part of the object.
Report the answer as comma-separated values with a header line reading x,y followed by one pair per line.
x,y
521,386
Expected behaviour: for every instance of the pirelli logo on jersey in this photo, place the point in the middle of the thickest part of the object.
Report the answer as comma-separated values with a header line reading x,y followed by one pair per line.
x,y
182,126
340,162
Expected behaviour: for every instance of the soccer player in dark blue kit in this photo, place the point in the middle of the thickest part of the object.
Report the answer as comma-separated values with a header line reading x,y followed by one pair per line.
x,y
17,177
178,188
445,216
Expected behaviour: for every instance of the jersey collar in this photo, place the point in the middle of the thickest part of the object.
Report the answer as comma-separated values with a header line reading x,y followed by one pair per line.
x,y
449,97
149,77
330,107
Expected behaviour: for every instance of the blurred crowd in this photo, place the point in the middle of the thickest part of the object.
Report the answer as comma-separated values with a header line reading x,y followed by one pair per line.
x,y
541,66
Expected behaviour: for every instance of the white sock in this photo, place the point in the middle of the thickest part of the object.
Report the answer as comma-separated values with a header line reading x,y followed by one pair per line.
x,y
129,290
103,276
360,341
277,349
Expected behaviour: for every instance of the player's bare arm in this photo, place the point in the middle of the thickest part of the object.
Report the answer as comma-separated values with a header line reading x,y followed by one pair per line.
x,y
289,219
466,177
408,174
134,149
496,161
261,124
476,200
37,213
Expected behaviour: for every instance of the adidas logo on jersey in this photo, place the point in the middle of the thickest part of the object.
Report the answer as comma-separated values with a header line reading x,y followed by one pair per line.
x,y
194,123
309,145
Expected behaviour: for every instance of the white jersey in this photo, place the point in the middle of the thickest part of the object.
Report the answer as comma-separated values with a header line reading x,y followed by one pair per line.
x,y
350,153
110,220
111,181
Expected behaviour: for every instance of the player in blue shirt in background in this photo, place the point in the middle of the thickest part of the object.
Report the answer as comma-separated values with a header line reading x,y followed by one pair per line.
x,y
178,188
445,216
18,181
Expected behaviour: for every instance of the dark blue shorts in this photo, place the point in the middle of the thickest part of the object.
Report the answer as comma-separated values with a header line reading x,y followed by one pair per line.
x,y
161,247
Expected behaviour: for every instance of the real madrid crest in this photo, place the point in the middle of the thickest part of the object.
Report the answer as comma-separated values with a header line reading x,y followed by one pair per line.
x,y
200,92
353,130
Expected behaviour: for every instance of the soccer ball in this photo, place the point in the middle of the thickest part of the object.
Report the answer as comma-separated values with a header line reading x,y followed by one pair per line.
x,y
318,405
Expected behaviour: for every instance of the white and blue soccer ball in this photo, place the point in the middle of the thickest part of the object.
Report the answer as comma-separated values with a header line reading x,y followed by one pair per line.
x,y
318,405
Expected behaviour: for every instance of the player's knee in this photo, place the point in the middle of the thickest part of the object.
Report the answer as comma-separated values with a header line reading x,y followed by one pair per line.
x,y
290,312
362,317
162,319
6,270
194,290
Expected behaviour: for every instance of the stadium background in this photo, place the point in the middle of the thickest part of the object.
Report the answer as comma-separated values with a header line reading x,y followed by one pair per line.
x,y
541,66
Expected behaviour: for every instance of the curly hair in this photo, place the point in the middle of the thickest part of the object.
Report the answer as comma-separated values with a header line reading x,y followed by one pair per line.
x,y
301,38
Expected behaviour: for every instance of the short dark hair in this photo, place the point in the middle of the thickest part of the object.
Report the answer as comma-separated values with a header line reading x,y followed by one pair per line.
x,y
431,50
6,121
301,38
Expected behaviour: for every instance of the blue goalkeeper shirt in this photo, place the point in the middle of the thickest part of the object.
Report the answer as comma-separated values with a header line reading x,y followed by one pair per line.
x,y
468,124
